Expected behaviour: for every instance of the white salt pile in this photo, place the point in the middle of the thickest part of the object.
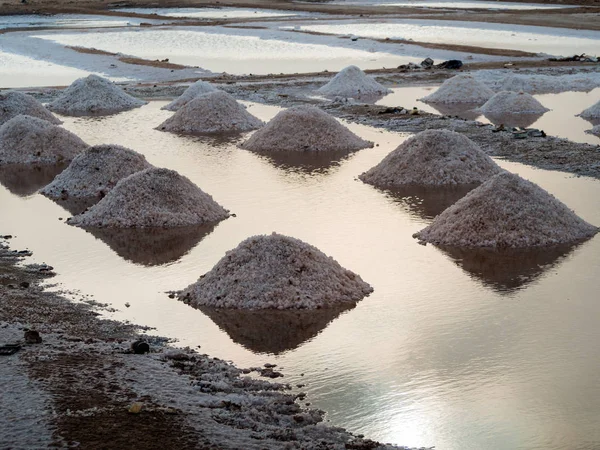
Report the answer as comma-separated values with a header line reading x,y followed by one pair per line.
x,y
353,82
304,128
276,272
215,112
433,158
95,171
94,95
462,88
592,113
195,90
152,198
595,131
546,84
26,139
507,212
506,102
13,103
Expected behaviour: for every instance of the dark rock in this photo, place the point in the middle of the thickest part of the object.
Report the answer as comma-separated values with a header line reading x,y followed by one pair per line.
x,y
24,284
32,337
140,347
427,63
452,64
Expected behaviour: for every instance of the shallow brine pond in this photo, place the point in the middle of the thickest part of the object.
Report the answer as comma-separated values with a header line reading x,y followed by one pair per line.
x,y
212,13
473,4
456,350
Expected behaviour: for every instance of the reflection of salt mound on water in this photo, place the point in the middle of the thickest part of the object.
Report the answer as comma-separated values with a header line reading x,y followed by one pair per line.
x,y
304,129
507,102
94,95
507,212
273,331
195,90
152,246
95,171
466,111
461,89
591,113
13,103
514,120
595,131
353,82
426,202
434,158
26,179
215,112
152,198
276,272
26,139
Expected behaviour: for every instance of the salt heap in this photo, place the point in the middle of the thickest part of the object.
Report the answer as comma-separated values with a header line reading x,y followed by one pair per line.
x,y
506,212
276,272
215,112
433,158
595,131
13,103
94,95
304,128
507,102
152,198
195,90
353,82
26,139
592,113
462,88
95,171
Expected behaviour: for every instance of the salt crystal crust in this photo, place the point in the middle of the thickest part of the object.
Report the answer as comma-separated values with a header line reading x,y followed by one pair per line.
x,y
304,128
433,158
14,103
26,139
276,272
95,171
353,82
152,198
593,112
94,95
462,88
195,90
507,102
507,212
215,112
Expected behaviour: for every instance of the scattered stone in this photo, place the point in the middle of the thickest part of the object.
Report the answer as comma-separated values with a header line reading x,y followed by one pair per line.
x,y
194,91
140,347
462,88
9,349
304,128
14,103
507,212
94,95
152,198
353,82
276,272
135,408
452,64
427,63
433,158
32,337
215,112
24,284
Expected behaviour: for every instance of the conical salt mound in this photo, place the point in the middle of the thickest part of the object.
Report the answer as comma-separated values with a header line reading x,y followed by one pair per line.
x,y
592,113
94,95
215,112
353,82
276,272
506,102
304,128
95,171
13,103
433,158
461,89
507,212
152,198
26,139
595,131
195,90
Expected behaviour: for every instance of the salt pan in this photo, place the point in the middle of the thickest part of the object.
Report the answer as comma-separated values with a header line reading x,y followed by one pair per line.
x,y
14,103
353,82
195,90
462,88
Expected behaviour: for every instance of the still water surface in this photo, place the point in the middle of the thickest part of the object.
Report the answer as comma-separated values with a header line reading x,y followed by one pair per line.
x,y
450,350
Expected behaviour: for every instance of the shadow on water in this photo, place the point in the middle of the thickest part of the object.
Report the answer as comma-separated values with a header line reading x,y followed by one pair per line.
x,y
75,205
508,270
273,331
306,162
152,247
514,120
26,179
463,110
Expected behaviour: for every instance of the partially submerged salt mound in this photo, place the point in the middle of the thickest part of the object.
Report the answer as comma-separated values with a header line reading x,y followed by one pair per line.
x,y
353,82
595,131
152,198
276,272
95,171
195,90
462,88
26,139
215,112
304,128
592,113
507,102
507,212
94,95
433,158
13,103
